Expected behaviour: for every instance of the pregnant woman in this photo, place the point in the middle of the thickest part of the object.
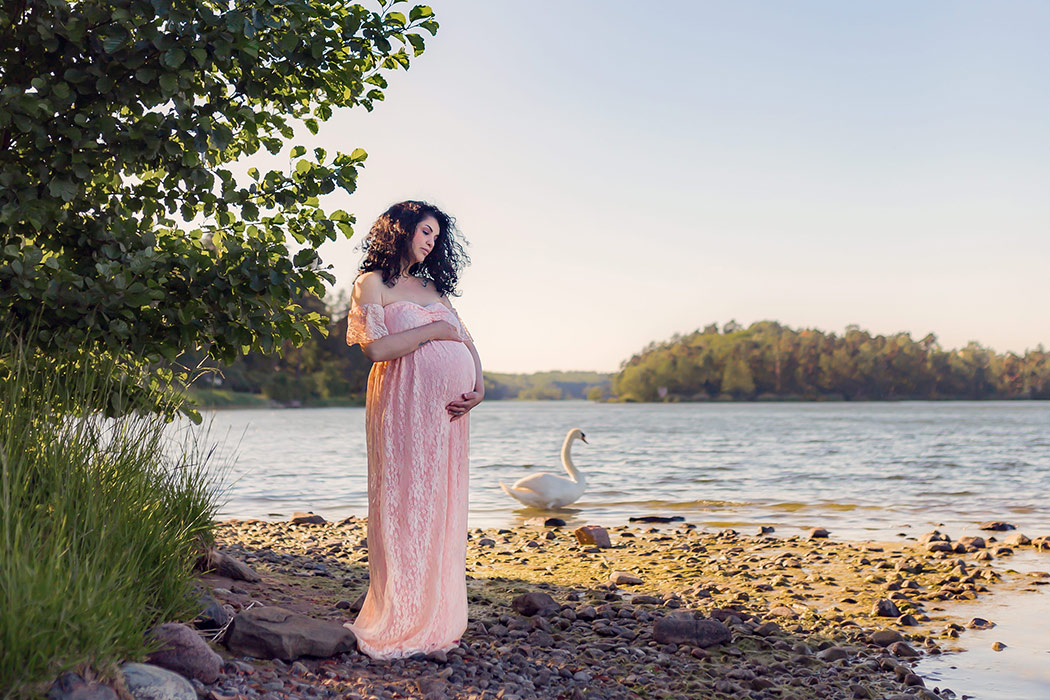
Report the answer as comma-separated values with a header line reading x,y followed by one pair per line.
x,y
426,378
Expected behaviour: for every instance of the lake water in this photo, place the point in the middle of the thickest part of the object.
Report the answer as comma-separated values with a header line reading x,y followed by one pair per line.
x,y
861,470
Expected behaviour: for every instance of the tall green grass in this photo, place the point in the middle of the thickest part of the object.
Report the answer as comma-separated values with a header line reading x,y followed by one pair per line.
x,y
101,519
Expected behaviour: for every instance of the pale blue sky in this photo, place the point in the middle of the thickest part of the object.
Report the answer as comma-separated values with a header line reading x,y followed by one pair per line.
x,y
624,174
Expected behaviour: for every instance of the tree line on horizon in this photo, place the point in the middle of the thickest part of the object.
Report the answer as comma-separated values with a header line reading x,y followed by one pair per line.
x,y
768,360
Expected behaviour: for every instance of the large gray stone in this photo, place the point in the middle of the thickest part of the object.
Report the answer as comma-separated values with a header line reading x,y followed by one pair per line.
x,y
275,633
146,682
185,653
686,629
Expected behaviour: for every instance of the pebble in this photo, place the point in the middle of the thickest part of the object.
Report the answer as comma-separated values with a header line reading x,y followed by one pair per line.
x,y
307,518
885,608
902,649
622,578
594,535
884,638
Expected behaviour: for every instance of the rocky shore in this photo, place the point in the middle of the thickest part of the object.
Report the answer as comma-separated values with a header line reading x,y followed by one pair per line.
x,y
637,611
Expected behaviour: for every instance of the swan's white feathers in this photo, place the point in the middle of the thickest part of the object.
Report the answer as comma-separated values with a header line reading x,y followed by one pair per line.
x,y
550,490
543,483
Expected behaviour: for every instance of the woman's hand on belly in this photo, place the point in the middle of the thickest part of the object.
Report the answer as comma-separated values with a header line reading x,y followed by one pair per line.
x,y
459,407
443,330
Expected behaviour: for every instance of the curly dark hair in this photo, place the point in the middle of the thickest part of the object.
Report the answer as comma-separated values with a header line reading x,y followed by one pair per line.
x,y
389,239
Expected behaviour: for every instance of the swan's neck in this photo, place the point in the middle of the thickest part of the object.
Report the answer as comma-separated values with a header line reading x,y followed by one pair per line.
x,y
566,461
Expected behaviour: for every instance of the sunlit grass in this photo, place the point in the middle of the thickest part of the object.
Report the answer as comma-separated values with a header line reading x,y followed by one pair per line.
x,y
102,520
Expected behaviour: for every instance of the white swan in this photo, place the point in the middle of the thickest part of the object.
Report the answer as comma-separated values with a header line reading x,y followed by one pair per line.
x,y
548,490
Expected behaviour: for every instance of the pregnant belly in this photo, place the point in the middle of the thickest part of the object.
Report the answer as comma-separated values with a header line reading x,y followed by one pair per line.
x,y
448,365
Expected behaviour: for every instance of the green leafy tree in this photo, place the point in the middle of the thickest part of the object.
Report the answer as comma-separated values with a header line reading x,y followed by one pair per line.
x,y
737,379
124,230
769,360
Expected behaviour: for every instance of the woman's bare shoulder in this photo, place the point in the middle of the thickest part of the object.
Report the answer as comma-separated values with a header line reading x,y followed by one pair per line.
x,y
368,288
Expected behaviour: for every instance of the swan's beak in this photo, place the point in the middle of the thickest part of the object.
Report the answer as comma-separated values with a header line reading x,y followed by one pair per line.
x,y
583,439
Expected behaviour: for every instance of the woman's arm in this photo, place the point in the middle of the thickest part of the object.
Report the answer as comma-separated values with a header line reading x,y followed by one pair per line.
x,y
368,290
395,345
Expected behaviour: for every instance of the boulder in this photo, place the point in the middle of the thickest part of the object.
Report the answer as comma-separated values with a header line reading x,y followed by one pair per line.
x,y
686,629
71,686
972,542
184,652
818,533
275,633
595,535
554,522
146,682
997,525
530,604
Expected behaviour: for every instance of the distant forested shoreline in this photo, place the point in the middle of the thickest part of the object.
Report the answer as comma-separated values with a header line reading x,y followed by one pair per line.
x,y
765,361
769,361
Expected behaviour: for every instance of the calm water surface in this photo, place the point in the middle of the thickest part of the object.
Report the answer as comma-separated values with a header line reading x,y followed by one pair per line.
x,y
859,469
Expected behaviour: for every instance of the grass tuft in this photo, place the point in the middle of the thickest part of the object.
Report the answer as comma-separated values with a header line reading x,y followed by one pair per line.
x,y
101,520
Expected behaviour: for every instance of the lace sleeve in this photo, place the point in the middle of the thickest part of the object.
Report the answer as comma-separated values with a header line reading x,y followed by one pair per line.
x,y
365,323
463,327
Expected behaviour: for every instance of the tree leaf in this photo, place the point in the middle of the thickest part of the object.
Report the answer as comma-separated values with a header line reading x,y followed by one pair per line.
x,y
420,12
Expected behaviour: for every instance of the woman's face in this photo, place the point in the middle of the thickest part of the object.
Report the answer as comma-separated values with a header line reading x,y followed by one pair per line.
x,y
423,239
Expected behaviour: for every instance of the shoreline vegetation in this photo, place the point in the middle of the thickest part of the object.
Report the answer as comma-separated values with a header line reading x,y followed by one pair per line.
x,y
766,361
102,518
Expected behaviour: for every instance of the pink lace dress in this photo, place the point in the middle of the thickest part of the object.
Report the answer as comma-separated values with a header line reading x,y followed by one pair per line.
x,y
417,486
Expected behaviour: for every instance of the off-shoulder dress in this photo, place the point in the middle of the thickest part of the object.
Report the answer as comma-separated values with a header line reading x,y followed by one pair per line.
x,y
417,485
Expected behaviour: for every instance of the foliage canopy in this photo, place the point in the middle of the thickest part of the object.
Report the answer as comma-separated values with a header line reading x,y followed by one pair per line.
x,y
123,227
